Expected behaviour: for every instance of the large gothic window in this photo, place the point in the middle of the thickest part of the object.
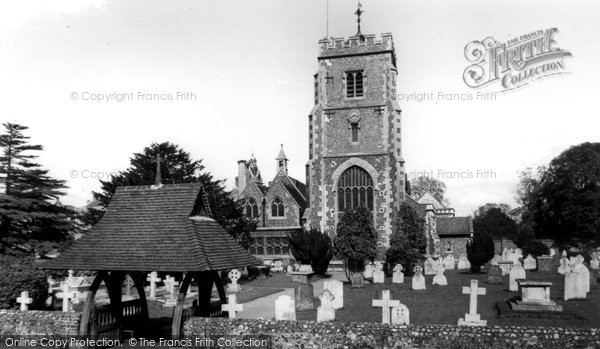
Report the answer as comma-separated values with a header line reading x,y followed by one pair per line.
x,y
355,188
251,208
277,208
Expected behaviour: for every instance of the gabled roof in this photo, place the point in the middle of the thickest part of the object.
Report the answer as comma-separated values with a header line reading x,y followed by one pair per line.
x,y
427,198
290,184
454,226
419,209
148,228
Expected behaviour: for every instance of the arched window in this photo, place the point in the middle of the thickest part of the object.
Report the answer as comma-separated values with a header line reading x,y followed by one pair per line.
x,y
251,208
277,208
355,188
354,83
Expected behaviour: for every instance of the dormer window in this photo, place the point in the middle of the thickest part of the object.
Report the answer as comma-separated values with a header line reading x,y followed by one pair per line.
x,y
354,84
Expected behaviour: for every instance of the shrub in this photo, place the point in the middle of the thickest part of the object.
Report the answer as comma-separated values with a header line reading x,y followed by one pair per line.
x,y
356,239
312,247
523,236
407,242
19,274
479,251
535,248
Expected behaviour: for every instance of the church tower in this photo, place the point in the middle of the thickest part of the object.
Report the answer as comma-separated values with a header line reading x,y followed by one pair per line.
x,y
355,153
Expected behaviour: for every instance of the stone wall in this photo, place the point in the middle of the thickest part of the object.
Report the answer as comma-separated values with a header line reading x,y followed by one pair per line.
x,y
308,334
35,322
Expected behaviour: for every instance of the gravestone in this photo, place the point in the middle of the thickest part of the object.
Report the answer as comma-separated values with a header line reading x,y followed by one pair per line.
x,y
545,263
306,268
508,255
285,309
595,261
66,297
303,295
429,266
277,266
234,275
398,275
517,256
564,264
497,258
378,275
439,278
449,262
529,263
494,274
574,288
553,252
232,307
326,312
128,282
153,279
290,268
369,270
583,272
385,303
472,318
400,315
24,300
462,265
535,296
516,273
506,266
336,287
170,284
418,280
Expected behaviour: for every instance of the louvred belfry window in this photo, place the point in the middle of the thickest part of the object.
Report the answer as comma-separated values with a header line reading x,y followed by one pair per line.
x,y
354,83
355,188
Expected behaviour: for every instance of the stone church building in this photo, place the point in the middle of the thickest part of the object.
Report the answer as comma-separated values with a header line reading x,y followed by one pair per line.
x,y
354,157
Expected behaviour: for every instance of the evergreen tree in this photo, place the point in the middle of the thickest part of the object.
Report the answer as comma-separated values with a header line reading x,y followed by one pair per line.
x,y
32,220
177,166
407,242
480,250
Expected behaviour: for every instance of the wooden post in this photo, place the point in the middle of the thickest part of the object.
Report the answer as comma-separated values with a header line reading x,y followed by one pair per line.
x,y
220,287
178,310
114,292
205,282
88,308
138,282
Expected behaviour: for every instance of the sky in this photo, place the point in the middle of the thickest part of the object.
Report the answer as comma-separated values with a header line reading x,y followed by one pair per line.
x,y
250,67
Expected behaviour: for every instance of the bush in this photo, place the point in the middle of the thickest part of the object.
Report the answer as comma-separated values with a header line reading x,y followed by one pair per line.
x,y
356,239
524,235
480,250
535,248
407,242
312,247
19,274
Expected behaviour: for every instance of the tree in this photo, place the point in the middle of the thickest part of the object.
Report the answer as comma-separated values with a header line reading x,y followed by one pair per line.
x,y
535,248
177,166
496,223
423,184
564,204
356,239
32,219
312,247
480,250
407,242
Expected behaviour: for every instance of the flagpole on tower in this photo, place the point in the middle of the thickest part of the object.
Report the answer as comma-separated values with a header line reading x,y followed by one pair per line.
x,y
327,20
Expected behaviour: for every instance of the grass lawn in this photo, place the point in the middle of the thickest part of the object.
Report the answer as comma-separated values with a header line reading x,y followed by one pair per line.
x,y
446,304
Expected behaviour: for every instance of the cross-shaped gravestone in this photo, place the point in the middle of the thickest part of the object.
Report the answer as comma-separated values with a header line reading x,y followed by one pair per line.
x,y
153,279
472,318
385,303
326,312
170,283
66,297
51,284
128,285
24,300
234,275
232,307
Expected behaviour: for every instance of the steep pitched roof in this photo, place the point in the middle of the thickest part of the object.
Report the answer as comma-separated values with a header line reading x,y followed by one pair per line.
x,y
155,229
427,198
419,208
454,226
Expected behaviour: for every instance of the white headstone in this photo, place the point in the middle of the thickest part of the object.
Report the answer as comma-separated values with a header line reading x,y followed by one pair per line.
x,y
439,278
66,297
378,275
290,268
234,275
517,272
564,264
595,261
461,263
336,287
277,266
429,266
153,279
449,262
24,300
285,309
552,252
385,303
400,315
575,283
326,312
583,273
170,283
232,307
472,318
398,275
529,263
369,270
418,280
128,282
518,255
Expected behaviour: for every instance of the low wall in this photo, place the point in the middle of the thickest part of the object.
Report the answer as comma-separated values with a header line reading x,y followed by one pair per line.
x,y
35,322
308,334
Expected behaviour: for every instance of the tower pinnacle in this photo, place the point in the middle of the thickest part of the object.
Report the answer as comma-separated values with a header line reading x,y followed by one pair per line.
x,y
359,12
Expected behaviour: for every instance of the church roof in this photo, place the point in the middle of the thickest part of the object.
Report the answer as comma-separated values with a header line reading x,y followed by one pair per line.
x,y
428,198
454,226
281,155
419,208
146,228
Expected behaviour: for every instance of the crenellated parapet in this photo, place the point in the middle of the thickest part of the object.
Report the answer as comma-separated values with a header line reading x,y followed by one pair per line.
x,y
356,45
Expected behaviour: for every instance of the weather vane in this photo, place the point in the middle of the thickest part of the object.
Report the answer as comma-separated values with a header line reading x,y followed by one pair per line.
x,y
359,12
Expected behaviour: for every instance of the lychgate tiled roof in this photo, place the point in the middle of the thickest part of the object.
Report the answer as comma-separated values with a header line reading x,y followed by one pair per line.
x,y
146,228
